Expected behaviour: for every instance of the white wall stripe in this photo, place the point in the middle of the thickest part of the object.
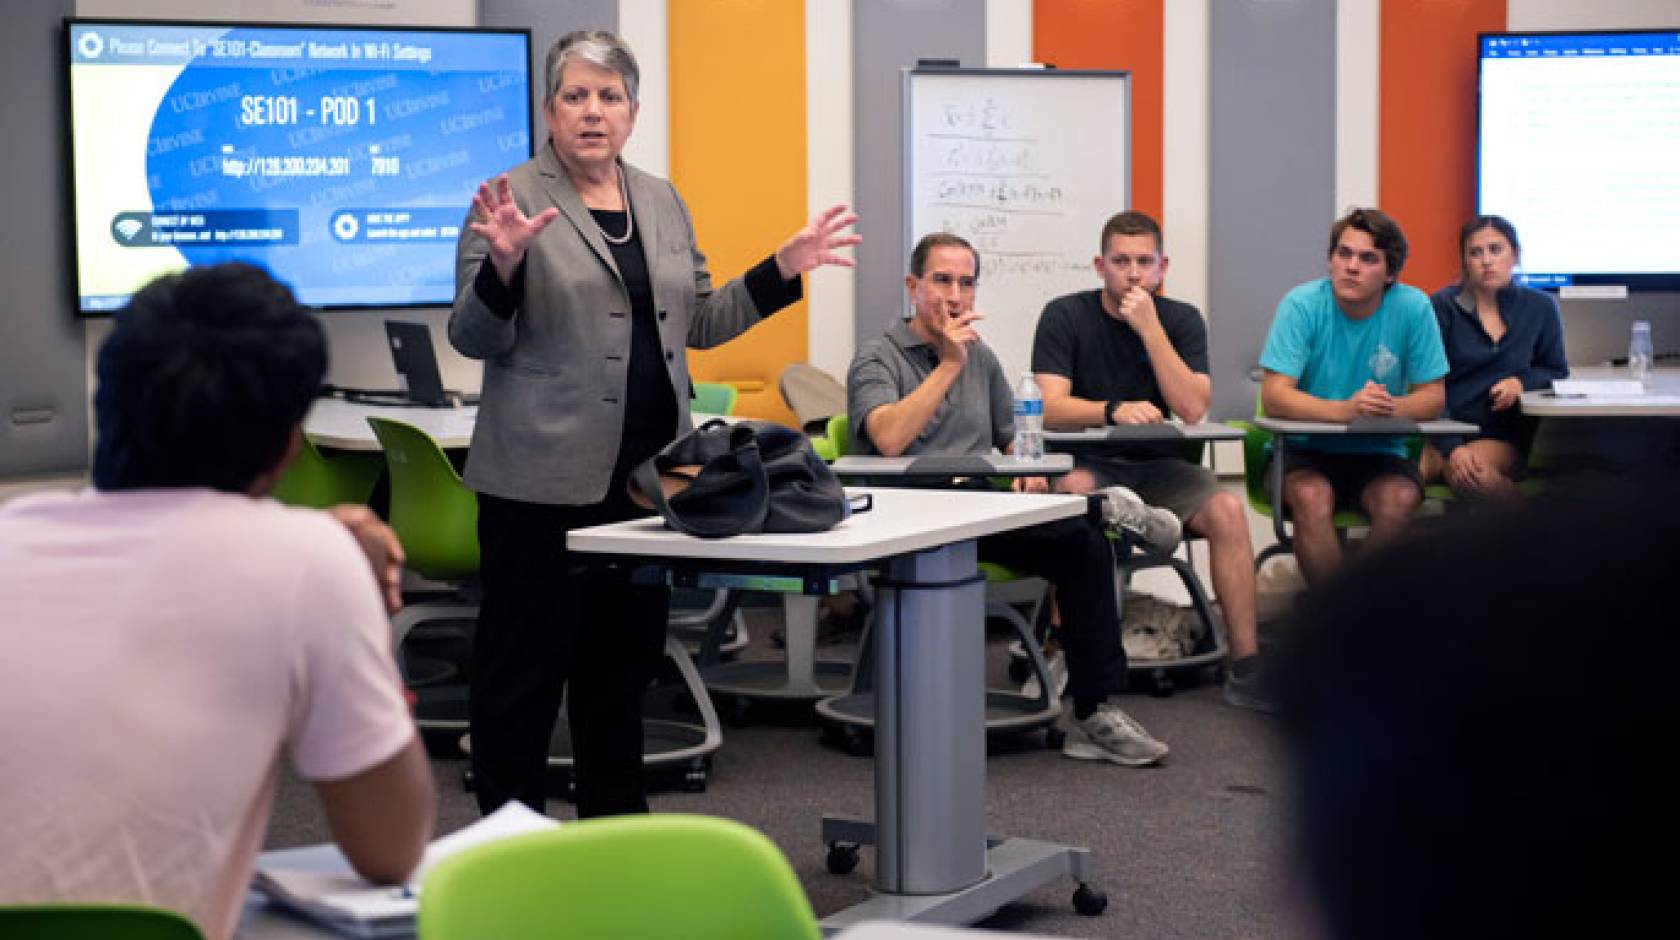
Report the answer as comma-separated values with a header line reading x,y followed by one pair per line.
x,y
1184,148
1358,102
643,25
1601,14
831,176
1009,33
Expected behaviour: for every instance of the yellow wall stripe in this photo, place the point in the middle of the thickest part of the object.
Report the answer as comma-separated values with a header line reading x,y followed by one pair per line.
x,y
737,74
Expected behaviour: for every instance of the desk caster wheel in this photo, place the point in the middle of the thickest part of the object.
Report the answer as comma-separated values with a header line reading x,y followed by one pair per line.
x,y
1020,669
1090,901
1054,738
1162,686
468,780
859,744
694,780
842,858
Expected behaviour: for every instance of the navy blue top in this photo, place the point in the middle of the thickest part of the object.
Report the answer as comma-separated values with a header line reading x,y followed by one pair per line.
x,y
1531,350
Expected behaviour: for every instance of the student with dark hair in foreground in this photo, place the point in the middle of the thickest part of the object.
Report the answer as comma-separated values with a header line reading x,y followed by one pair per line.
x,y
1497,774
169,634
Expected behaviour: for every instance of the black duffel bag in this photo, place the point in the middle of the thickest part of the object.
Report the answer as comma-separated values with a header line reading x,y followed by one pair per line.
x,y
735,479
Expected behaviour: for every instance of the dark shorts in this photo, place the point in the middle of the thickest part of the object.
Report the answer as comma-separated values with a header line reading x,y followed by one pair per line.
x,y
1349,474
1178,486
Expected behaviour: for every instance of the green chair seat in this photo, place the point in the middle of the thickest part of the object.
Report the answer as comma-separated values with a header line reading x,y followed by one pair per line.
x,y
434,516
714,398
618,878
94,921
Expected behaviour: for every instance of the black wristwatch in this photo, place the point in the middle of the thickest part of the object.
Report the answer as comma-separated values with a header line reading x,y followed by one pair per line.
x,y
1108,412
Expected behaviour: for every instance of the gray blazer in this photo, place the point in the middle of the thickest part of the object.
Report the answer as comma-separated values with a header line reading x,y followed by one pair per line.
x,y
551,415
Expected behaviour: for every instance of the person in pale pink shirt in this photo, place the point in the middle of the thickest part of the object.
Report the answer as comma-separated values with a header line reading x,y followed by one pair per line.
x,y
170,635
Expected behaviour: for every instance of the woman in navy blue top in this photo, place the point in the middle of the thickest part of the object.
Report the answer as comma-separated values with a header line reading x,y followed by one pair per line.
x,y
1502,339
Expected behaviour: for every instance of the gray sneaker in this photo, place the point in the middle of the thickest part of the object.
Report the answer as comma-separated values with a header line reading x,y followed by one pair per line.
x,y
1110,734
1155,530
1056,663
1252,691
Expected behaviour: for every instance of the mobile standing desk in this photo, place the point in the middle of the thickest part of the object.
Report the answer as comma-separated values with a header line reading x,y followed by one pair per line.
x,y
934,862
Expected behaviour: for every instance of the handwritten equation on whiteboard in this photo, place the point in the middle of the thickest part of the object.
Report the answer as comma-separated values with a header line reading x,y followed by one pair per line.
x,y
1027,167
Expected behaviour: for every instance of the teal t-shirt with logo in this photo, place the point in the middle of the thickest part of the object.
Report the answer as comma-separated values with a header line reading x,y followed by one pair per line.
x,y
1332,356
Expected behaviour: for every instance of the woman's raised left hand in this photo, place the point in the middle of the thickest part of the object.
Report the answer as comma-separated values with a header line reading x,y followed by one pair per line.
x,y
815,244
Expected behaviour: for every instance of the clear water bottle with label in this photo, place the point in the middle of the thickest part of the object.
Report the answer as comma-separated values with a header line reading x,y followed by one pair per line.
x,y
1639,353
1029,419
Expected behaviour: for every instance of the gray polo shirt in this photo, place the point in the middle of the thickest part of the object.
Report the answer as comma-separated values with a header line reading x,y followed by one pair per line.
x,y
978,412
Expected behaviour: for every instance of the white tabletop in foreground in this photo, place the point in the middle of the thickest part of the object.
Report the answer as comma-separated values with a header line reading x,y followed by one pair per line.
x,y
1663,401
901,521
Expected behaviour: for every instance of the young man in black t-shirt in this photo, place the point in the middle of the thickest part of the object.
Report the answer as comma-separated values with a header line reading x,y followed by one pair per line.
x,y
1122,354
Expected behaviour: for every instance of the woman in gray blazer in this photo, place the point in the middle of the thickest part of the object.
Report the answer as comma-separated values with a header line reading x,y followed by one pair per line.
x,y
579,284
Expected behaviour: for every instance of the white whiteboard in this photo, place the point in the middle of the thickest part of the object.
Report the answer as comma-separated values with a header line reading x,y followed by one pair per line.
x,y
1026,164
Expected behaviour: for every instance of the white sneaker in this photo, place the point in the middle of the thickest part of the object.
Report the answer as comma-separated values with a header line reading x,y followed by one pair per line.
x,y
1110,734
1155,530
1057,665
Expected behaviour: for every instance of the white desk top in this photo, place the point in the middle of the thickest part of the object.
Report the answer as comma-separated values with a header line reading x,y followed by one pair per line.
x,y
1662,402
936,465
1158,431
902,521
1375,426
334,422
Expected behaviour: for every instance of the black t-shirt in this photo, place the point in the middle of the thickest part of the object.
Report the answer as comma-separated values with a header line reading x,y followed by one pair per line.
x,y
1105,359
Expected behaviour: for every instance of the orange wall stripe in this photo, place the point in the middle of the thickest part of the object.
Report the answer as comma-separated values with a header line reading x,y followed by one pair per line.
x,y
1427,129
1114,34
737,73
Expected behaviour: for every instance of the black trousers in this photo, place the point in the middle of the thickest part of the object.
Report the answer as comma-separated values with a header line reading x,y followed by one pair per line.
x,y
1075,556
548,621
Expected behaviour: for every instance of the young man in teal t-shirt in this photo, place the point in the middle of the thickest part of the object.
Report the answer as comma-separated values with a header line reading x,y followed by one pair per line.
x,y
1354,344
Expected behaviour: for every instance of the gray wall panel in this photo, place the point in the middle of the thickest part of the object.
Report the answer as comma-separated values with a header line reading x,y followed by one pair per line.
x,y
547,20
889,35
43,371
1273,173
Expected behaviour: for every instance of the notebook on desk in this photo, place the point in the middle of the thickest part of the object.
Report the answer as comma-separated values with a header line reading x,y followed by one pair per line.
x,y
416,362
316,881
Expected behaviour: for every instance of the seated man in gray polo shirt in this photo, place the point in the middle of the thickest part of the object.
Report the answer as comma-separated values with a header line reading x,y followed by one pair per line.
x,y
930,386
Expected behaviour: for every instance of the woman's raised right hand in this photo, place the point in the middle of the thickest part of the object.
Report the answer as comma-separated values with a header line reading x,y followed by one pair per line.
x,y
505,228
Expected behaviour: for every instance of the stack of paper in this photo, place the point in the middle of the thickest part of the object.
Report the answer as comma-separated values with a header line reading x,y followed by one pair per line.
x,y
317,881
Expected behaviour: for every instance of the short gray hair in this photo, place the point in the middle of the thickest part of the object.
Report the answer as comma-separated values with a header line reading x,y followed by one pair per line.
x,y
597,47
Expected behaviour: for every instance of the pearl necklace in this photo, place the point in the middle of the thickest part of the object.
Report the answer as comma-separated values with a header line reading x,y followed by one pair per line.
x,y
629,217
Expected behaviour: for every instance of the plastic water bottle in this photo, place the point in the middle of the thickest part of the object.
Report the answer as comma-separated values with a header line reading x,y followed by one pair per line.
x,y
1639,354
1029,419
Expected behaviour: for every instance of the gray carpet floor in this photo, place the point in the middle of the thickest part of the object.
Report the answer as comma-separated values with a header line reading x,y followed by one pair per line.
x,y
1194,849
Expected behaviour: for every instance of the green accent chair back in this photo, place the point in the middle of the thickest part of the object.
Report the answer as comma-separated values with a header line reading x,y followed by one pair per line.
x,y
715,398
318,481
94,922
434,516
617,878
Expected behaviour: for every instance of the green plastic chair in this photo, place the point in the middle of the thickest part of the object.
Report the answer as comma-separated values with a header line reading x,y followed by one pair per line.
x,y
714,398
618,878
84,921
434,516
318,481
436,519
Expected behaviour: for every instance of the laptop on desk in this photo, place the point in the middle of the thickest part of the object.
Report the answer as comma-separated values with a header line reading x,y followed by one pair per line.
x,y
416,363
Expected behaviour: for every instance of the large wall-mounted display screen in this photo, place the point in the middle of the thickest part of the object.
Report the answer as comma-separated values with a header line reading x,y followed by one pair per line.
x,y
1579,146
341,159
